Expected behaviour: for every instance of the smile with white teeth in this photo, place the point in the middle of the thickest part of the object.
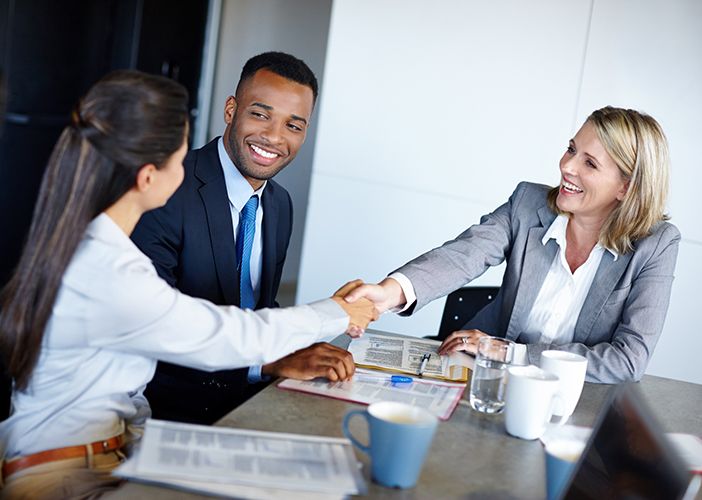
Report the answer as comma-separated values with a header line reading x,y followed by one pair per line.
x,y
263,152
571,188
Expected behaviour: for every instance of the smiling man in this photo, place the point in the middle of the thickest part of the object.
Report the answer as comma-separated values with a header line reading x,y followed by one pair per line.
x,y
224,235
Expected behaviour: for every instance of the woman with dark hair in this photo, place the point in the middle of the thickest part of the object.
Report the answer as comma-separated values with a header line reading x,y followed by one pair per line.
x,y
85,317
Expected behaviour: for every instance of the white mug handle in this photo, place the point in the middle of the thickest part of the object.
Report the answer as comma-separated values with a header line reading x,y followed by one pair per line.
x,y
557,399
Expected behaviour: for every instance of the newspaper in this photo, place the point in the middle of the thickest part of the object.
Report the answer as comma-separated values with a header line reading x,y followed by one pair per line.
x,y
439,398
404,354
236,461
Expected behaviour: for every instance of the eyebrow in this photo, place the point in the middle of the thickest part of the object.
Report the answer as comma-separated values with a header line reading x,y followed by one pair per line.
x,y
268,107
572,142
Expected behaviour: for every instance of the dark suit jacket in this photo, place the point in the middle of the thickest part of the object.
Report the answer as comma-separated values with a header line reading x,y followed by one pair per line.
x,y
191,243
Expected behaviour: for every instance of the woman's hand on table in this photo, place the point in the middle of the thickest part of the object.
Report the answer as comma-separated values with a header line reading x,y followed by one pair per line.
x,y
462,340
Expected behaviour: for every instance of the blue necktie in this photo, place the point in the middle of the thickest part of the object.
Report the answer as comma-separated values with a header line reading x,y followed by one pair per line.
x,y
244,244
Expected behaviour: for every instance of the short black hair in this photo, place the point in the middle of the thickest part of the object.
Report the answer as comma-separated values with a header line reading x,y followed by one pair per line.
x,y
281,64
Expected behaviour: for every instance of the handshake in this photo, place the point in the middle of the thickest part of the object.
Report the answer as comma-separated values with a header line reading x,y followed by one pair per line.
x,y
364,302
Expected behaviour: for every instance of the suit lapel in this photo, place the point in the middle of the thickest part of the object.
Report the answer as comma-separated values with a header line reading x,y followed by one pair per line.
x,y
214,197
270,231
537,261
606,278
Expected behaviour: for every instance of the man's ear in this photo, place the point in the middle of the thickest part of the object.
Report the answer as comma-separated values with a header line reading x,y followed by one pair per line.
x,y
145,177
229,109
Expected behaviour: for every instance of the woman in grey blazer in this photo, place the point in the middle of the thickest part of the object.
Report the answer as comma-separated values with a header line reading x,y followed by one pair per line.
x,y
589,263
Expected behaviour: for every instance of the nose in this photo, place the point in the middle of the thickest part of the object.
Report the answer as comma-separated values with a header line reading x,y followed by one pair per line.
x,y
273,132
568,164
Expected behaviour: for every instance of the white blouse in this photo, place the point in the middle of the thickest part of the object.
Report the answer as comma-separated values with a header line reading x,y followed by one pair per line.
x,y
562,295
112,320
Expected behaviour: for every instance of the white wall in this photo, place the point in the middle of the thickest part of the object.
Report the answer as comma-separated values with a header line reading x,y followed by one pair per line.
x,y
433,111
298,27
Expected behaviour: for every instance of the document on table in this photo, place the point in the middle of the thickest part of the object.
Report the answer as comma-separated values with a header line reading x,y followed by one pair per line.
x,y
439,398
237,462
404,355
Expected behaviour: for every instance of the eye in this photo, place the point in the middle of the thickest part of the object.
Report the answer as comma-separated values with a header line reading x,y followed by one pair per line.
x,y
258,114
590,164
295,128
570,150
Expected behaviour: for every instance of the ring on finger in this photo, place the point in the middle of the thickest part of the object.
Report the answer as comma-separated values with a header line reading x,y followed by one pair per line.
x,y
464,340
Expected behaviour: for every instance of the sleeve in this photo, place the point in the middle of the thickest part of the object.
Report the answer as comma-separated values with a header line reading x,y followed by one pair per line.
x,y
159,235
625,357
142,314
459,261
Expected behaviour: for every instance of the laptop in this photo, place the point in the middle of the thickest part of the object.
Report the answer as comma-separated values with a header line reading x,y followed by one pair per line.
x,y
628,456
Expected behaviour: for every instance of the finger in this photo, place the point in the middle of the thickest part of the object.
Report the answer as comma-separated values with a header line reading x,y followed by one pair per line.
x,y
457,343
450,346
336,362
331,348
334,356
357,293
357,331
341,292
453,335
353,331
349,365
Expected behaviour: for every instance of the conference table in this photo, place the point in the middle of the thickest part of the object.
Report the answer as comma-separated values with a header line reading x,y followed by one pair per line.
x,y
471,456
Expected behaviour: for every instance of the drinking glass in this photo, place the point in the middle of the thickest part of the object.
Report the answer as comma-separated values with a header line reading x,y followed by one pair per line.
x,y
487,386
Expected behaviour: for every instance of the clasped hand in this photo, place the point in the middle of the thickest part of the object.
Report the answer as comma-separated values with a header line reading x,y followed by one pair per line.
x,y
387,295
361,312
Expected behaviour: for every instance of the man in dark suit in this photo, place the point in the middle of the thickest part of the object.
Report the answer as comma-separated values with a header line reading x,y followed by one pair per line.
x,y
227,213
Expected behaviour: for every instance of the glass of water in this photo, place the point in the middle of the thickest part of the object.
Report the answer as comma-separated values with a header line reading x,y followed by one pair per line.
x,y
487,386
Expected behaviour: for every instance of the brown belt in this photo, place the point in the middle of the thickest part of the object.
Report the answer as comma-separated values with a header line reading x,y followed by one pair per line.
x,y
98,447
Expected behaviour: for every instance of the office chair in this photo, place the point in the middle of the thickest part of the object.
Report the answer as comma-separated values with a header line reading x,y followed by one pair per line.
x,y
461,306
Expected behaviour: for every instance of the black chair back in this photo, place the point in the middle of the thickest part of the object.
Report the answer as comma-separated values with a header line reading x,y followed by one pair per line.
x,y
462,305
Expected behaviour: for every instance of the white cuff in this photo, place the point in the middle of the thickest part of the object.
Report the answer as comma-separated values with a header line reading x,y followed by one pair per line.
x,y
407,289
520,355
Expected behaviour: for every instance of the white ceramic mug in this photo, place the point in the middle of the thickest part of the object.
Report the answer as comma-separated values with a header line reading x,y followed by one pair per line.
x,y
530,400
570,369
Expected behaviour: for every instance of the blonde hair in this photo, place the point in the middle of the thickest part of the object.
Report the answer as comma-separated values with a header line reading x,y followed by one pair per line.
x,y
638,146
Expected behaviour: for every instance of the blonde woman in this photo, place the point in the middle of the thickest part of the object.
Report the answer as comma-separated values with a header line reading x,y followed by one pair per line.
x,y
589,263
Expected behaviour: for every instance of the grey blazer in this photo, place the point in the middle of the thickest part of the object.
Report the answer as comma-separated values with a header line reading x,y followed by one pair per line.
x,y
623,313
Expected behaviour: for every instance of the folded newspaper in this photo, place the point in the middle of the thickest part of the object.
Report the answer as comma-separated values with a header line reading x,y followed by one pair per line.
x,y
244,464
404,355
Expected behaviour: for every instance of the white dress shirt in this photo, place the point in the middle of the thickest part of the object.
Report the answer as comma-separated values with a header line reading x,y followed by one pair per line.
x,y
112,320
562,295
239,191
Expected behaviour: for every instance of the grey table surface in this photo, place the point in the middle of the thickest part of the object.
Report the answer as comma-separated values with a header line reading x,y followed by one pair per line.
x,y
471,455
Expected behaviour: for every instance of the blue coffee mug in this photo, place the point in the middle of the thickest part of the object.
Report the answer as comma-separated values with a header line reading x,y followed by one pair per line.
x,y
400,436
561,457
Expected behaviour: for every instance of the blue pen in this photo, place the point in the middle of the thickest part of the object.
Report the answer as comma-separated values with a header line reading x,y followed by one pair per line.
x,y
394,379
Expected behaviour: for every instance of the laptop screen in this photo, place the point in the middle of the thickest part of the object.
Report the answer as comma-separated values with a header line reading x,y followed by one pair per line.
x,y
628,455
